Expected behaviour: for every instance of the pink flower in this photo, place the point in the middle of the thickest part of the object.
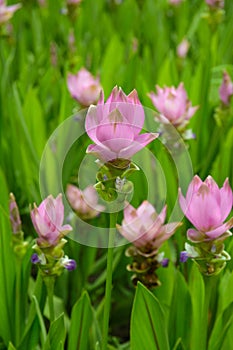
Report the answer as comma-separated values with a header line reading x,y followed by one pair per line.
x,y
173,105
114,126
207,206
226,89
182,48
47,220
215,3
145,228
84,87
85,203
6,12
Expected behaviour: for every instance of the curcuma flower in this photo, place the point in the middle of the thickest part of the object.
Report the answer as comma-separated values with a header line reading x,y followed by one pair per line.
x,y
226,89
6,12
48,219
84,203
146,230
49,255
115,126
173,105
84,87
207,206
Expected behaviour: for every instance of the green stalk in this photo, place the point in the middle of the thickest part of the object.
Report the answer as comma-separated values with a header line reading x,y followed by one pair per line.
x,y
108,286
18,301
210,305
49,282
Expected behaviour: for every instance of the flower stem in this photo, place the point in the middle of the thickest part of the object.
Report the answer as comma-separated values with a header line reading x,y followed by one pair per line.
x,y
18,302
108,286
49,282
210,303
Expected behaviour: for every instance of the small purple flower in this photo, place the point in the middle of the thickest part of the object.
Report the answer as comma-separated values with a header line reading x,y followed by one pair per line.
x,y
165,262
183,256
35,259
68,264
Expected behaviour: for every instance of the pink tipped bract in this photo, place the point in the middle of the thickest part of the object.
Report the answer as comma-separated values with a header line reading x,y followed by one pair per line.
x,y
84,87
173,105
48,219
207,206
114,126
145,228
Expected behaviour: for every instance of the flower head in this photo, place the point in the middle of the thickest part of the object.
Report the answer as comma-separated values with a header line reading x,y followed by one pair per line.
x,y
84,203
173,105
48,219
114,126
14,215
207,206
84,87
145,228
6,12
182,48
226,89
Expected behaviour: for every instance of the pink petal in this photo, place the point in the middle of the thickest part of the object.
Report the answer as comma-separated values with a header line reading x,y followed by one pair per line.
x,y
103,153
226,199
195,236
115,136
193,187
220,230
130,214
139,142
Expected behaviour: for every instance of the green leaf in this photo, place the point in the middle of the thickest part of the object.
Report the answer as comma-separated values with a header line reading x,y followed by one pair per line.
x,y
81,321
148,326
7,268
112,62
221,327
11,347
199,326
180,317
56,336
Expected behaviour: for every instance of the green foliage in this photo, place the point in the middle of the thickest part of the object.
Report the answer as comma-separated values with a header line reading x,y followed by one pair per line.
x,y
148,327
131,43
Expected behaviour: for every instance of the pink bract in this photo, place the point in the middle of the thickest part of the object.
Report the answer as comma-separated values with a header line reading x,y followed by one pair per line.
x,y
145,228
48,219
84,87
207,206
114,126
173,105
